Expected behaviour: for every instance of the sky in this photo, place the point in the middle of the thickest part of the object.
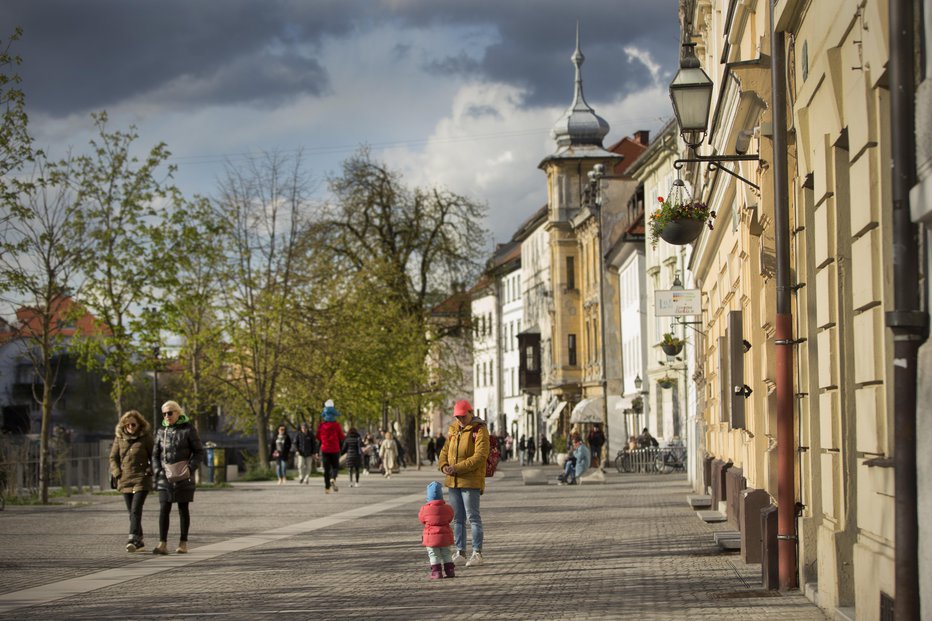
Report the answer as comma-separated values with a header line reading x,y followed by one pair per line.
x,y
458,94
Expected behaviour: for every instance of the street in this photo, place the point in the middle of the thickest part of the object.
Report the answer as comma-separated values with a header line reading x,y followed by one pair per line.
x,y
631,548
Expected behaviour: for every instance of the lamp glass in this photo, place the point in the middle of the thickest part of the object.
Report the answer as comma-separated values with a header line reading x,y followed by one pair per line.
x,y
638,382
691,94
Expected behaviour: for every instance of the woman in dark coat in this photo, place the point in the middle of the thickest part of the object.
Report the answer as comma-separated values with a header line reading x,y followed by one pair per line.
x,y
352,448
176,445
130,465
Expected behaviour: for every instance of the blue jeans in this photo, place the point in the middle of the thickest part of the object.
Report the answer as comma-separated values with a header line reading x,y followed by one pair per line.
x,y
281,466
466,506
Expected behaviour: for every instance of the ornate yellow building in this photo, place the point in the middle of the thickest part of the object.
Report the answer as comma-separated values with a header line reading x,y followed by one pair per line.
x,y
838,148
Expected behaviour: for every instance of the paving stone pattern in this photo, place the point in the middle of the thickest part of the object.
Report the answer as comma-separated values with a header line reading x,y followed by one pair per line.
x,y
629,549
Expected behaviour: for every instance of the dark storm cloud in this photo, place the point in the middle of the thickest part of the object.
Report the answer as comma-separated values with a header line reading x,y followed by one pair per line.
x,y
80,56
91,54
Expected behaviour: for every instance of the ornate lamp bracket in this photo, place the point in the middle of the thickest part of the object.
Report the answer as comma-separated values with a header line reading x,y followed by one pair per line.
x,y
715,163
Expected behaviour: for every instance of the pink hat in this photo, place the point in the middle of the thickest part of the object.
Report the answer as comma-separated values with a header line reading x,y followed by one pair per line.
x,y
462,408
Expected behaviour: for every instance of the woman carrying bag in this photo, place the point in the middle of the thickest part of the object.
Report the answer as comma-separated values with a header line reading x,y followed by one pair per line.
x,y
178,453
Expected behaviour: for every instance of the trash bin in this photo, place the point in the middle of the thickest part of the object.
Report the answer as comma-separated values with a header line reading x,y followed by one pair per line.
x,y
219,463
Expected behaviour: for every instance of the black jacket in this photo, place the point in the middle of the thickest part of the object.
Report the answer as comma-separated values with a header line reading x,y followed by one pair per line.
x,y
352,447
285,452
179,442
305,444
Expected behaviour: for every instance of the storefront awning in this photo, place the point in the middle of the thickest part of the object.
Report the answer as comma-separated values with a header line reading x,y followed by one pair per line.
x,y
554,416
590,410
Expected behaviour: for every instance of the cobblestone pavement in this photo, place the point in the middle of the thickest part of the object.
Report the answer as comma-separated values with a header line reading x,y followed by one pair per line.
x,y
631,548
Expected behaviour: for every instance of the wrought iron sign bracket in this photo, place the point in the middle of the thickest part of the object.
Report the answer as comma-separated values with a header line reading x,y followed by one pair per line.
x,y
715,163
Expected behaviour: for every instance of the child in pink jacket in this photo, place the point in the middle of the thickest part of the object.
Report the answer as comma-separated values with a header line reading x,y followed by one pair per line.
x,y
436,516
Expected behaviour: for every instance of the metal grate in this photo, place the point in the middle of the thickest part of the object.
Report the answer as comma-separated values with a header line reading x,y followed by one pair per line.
x,y
886,607
744,594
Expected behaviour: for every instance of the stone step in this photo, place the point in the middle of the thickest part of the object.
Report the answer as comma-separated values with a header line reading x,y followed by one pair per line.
x,y
711,516
534,476
699,501
592,477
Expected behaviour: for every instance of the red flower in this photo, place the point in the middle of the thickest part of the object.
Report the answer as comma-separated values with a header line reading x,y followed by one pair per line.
x,y
659,199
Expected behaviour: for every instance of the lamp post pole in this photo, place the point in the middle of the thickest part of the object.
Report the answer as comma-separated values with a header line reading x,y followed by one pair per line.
x,y
595,183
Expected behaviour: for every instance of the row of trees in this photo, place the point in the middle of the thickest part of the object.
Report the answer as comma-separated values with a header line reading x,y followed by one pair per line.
x,y
278,300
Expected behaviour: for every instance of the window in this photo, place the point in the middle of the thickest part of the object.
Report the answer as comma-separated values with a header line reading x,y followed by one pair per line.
x,y
570,273
571,343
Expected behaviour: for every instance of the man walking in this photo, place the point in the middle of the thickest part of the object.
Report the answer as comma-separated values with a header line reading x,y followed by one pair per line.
x,y
305,446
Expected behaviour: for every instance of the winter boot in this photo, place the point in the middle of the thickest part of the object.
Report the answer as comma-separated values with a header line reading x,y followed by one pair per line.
x,y
162,548
435,572
182,547
449,570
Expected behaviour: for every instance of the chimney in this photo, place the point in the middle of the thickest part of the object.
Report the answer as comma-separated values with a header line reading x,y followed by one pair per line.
x,y
642,136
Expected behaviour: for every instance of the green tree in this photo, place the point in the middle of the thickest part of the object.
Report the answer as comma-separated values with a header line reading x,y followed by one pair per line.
x,y
39,263
132,217
414,243
15,142
264,207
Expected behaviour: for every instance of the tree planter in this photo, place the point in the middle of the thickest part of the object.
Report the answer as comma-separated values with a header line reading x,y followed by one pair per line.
x,y
671,350
681,232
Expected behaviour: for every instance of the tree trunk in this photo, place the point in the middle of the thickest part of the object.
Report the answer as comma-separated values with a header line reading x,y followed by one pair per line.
x,y
44,437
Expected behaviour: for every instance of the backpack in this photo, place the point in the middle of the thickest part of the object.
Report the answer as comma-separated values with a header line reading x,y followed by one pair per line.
x,y
491,462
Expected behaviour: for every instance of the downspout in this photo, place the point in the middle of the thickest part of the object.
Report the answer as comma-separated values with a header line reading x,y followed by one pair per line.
x,y
786,437
908,323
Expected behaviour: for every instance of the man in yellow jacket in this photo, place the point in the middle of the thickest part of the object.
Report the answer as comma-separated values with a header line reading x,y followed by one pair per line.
x,y
462,460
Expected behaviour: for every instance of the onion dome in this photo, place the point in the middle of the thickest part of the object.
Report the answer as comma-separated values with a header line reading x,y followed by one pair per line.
x,y
580,125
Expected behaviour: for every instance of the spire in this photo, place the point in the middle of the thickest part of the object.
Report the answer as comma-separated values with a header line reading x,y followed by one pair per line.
x,y
580,125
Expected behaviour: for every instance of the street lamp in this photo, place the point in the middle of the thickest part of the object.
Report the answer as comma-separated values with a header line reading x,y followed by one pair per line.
x,y
691,94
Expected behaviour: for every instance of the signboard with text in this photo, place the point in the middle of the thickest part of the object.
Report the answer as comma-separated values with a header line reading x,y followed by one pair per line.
x,y
677,302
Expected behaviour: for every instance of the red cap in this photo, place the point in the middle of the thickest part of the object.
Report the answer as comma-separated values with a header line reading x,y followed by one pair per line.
x,y
462,408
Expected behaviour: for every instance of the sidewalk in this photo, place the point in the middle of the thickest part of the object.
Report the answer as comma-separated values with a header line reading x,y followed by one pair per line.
x,y
628,548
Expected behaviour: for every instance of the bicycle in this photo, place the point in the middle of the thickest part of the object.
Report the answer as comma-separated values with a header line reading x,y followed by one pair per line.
x,y
623,462
669,460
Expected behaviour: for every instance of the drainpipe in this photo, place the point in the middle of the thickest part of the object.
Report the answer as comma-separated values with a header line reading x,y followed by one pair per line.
x,y
786,438
908,323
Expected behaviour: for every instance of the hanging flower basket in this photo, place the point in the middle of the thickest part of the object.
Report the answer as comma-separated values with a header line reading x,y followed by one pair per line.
x,y
665,382
679,219
671,345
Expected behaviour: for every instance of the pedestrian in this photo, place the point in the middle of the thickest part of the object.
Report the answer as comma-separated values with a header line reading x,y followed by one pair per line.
x,y
581,459
352,448
400,448
462,460
279,451
509,446
176,456
431,450
545,447
305,447
522,449
388,453
370,455
645,440
331,437
441,440
131,467
596,440
437,537
531,450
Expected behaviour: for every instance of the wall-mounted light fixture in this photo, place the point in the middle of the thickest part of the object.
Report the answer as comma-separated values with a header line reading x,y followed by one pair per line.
x,y
744,390
747,345
691,94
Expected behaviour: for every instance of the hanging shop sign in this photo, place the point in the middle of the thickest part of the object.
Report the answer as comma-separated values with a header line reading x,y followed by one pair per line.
x,y
677,302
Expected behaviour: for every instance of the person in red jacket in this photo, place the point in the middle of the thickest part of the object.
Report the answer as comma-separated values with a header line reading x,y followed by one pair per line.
x,y
436,516
331,437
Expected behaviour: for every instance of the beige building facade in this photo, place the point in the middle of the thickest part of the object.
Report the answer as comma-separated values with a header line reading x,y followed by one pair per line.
x,y
838,137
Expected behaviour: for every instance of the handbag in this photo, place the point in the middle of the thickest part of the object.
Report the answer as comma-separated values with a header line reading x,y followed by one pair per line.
x,y
276,454
113,482
177,471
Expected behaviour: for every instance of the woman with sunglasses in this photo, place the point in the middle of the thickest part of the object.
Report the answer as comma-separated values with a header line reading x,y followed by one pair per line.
x,y
178,453
130,466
